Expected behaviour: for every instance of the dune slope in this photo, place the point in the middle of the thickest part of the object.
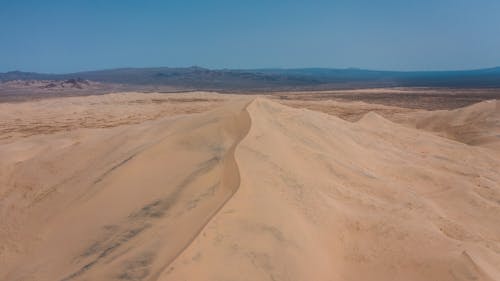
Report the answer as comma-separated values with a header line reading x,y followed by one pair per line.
x,y
477,124
131,221
251,191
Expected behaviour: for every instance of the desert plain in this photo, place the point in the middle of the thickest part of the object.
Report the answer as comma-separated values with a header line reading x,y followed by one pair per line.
x,y
376,184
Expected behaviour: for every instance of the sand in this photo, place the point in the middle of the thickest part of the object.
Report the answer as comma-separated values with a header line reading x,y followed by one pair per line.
x,y
250,189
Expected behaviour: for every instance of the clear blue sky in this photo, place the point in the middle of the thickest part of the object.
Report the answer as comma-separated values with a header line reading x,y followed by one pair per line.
x,y
71,35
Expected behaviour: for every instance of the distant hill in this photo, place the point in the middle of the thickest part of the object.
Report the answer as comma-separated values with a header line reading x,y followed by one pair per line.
x,y
197,78
467,78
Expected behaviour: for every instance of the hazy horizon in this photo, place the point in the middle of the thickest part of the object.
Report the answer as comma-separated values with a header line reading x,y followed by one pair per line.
x,y
250,69
64,37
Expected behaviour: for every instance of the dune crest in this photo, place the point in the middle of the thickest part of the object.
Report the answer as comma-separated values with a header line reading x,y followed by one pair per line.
x,y
255,190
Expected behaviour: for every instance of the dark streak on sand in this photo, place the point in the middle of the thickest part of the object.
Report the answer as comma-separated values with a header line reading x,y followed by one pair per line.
x,y
138,221
113,168
123,238
137,268
159,207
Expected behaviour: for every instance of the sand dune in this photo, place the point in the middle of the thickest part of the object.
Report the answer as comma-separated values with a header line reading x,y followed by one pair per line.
x,y
478,124
254,190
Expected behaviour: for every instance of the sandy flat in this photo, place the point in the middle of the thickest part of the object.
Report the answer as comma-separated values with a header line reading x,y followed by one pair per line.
x,y
245,188
22,119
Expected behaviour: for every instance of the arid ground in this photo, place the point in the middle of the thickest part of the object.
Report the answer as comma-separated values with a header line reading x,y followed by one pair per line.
x,y
377,184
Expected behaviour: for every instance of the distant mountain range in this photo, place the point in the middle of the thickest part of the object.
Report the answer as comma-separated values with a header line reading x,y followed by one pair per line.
x,y
197,78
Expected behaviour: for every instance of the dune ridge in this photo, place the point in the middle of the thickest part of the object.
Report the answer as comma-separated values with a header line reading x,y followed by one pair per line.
x,y
328,204
230,178
253,190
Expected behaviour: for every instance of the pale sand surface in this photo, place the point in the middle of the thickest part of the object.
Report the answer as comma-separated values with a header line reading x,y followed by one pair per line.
x,y
242,188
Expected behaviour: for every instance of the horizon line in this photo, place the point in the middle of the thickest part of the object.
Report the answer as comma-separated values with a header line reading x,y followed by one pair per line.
x,y
249,69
